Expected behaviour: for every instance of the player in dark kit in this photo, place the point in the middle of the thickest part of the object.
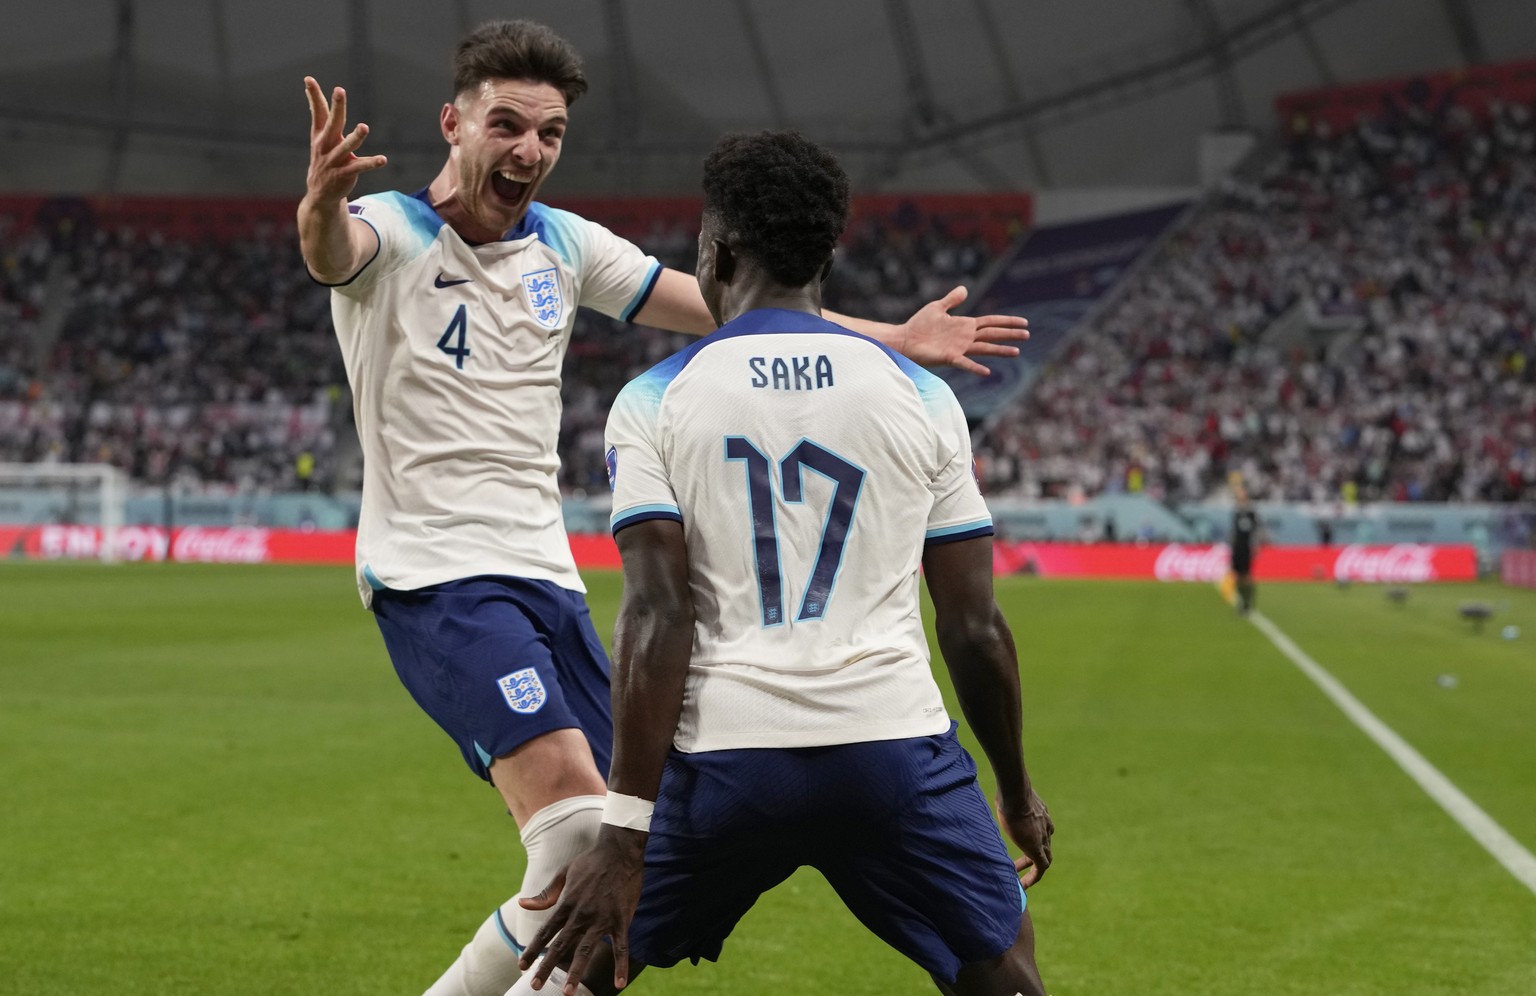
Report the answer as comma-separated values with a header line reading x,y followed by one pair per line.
x,y
1245,544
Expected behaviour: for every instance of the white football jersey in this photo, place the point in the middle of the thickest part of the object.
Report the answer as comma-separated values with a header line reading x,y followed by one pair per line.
x,y
454,352
808,466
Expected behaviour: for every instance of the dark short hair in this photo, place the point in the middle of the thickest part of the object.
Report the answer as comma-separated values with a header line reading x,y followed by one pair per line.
x,y
780,198
518,50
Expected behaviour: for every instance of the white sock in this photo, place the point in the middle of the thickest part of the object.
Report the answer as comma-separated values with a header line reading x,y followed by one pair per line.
x,y
553,836
552,985
488,963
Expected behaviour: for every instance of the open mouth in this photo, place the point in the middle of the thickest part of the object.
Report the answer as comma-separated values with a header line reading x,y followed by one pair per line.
x,y
507,187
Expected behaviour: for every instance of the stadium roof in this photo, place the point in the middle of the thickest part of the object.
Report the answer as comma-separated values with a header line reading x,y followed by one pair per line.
x,y
204,96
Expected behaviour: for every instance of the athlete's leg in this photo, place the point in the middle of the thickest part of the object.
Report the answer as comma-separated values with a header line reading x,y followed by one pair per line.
x,y
1012,973
547,769
1245,593
919,860
511,670
552,789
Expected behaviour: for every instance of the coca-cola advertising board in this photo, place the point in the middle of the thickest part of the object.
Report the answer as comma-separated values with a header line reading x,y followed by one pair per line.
x,y
1401,563
192,544
1398,563
1518,568
227,545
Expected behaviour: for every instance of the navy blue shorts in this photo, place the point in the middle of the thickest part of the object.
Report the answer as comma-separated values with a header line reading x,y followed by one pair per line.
x,y
497,661
900,828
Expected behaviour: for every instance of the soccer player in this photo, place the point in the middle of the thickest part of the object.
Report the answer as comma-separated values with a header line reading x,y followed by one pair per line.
x,y
1244,547
776,487
454,306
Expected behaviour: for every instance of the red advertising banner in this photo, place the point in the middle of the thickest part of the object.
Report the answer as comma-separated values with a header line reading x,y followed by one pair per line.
x,y
188,218
1402,563
192,544
1473,88
1518,568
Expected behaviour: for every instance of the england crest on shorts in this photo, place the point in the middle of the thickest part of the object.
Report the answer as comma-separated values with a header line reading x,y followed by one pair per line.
x,y
543,290
523,690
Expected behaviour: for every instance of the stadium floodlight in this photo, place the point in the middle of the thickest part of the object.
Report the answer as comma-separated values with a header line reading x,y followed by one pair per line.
x,y
67,494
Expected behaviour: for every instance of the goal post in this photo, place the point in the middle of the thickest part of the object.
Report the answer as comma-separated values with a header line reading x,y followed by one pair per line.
x,y
75,494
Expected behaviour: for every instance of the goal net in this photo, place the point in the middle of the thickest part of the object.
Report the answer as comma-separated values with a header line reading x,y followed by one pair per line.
x,y
76,509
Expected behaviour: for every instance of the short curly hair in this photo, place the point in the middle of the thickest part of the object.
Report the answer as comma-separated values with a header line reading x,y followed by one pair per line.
x,y
780,198
518,50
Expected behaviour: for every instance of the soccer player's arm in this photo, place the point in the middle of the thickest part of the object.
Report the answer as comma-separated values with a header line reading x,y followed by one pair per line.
x,y
653,638
932,336
978,651
334,244
976,642
652,644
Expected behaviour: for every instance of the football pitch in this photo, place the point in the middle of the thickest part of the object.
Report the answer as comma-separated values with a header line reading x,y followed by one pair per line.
x,y
214,784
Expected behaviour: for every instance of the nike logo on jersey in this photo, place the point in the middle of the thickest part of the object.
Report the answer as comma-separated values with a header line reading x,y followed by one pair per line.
x,y
440,283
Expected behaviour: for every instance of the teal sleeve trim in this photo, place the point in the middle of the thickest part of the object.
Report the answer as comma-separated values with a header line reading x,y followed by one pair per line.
x,y
643,294
641,513
965,530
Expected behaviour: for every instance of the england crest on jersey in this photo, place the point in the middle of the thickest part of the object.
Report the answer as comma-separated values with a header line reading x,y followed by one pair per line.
x,y
543,290
523,690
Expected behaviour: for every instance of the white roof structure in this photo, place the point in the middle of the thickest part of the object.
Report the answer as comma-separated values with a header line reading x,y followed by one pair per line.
x,y
205,96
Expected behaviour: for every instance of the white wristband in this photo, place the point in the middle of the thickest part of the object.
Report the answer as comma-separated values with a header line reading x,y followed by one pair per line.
x,y
628,811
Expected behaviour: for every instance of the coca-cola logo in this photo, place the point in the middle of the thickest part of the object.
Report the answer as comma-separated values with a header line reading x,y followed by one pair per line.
x,y
1402,563
1191,563
221,546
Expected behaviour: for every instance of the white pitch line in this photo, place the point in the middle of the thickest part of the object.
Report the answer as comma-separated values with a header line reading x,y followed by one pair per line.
x,y
1506,850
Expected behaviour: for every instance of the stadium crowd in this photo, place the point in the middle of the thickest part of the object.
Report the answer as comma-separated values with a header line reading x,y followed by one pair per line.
x,y
211,365
187,362
1351,321
1405,252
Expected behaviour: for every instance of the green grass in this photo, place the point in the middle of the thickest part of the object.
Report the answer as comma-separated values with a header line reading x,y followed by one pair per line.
x,y
213,783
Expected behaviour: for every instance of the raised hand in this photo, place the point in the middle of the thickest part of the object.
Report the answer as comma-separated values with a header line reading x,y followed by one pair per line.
x,y
333,165
934,337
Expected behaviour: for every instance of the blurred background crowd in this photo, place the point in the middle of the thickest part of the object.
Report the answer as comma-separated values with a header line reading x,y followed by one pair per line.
x,y
1346,318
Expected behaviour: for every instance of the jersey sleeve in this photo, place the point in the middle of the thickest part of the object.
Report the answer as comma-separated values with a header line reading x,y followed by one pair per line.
x,y
405,227
959,512
637,473
616,278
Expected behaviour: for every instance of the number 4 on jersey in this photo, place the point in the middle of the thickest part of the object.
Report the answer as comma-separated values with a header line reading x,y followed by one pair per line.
x,y
459,325
849,480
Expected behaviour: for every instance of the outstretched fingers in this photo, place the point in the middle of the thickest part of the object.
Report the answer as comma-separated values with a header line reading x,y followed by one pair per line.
x,y
970,366
586,945
342,158
543,901
1002,328
982,347
337,121
326,120
955,298
318,112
